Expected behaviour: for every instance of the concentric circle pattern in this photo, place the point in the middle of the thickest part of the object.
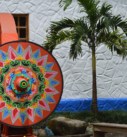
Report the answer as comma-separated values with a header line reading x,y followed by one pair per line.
x,y
30,83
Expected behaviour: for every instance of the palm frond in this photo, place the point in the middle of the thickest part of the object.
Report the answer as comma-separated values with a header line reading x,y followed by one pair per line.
x,y
112,23
115,21
108,21
105,9
104,24
65,3
115,42
58,33
91,8
54,39
76,49
83,29
118,22
77,25
62,24
80,33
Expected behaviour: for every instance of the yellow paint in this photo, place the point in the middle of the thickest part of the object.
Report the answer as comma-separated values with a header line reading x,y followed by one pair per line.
x,y
18,72
46,82
9,106
42,70
35,105
22,109
7,62
19,58
33,61
44,95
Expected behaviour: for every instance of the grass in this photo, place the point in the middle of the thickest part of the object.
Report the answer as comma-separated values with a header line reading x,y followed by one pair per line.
x,y
105,116
113,117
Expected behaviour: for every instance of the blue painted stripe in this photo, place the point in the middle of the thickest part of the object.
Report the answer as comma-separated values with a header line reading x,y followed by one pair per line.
x,y
104,104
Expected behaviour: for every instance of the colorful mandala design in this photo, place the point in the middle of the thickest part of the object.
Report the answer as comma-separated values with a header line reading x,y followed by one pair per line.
x,y
30,83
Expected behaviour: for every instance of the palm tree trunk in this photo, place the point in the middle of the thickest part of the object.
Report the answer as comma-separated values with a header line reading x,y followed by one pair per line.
x,y
94,84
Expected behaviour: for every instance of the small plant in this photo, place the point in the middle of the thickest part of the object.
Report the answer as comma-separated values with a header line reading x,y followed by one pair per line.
x,y
99,26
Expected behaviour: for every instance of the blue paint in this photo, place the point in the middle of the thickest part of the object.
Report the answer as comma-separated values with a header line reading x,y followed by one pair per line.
x,y
32,80
36,54
12,75
9,87
29,92
23,117
38,111
5,113
3,55
20,51
24,71
53,82
50,99
19,95
104,104
49,66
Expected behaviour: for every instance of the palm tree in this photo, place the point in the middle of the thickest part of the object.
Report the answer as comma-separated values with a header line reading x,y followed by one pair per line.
x,y
97,27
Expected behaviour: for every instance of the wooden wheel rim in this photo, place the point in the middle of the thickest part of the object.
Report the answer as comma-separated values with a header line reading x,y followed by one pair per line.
x,y
32,63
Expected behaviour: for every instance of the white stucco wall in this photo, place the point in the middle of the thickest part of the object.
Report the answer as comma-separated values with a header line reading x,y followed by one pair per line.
x,y
111,69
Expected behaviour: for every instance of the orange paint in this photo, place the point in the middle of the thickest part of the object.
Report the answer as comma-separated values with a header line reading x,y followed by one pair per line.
x,y
58,87
7,28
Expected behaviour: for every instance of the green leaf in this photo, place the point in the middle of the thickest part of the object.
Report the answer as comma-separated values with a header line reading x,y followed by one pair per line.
x,y
54,39
62,24
105,9
65,3
91,8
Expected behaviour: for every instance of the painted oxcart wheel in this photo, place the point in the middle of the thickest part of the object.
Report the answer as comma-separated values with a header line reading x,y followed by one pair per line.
x,y
31,83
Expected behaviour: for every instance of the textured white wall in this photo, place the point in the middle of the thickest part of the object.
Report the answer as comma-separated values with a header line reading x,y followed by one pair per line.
x,y
111,69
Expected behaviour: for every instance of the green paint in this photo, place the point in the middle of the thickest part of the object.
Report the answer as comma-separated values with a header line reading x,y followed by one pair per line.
x,y
23,84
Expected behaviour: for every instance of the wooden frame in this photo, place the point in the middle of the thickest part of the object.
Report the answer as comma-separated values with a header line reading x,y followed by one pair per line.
x,y
99,129
22,29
